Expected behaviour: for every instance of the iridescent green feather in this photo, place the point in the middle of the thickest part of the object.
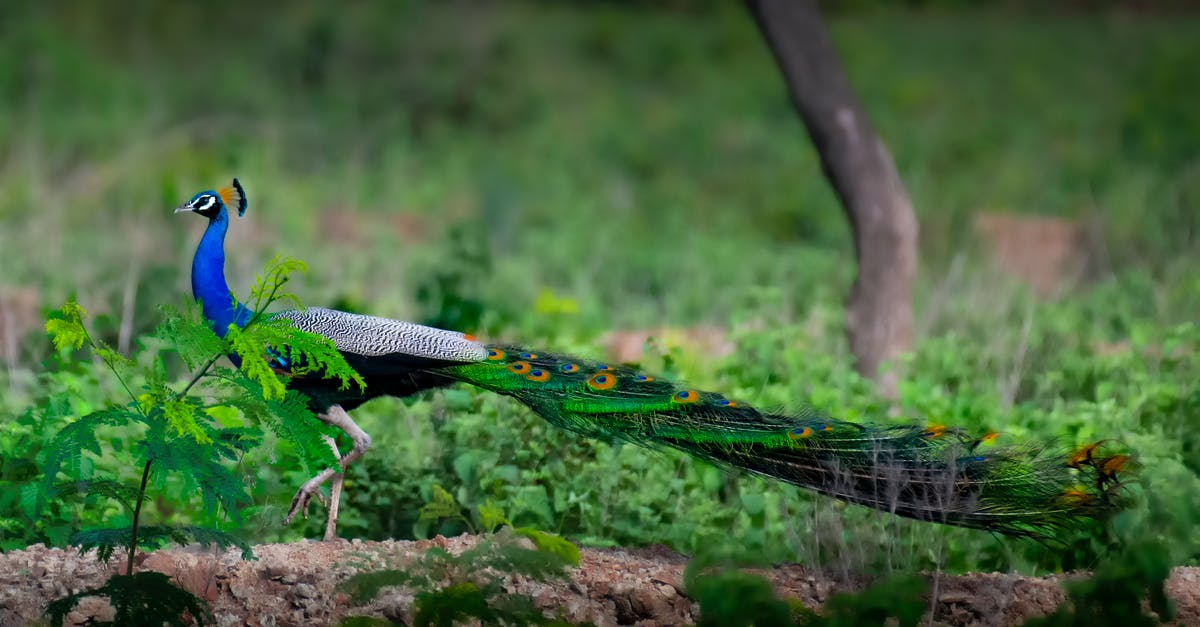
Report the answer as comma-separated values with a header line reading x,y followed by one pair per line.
x,y
928,473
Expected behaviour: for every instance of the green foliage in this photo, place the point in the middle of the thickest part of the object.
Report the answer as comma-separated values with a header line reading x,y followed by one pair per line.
x,y
550,543
145,599
729,596
65,327
1117,593
895,599
449,290
66,450
489,516
443,505
154,537
571,155
176,434
1119,589
735,598
267,336
189,335
450,589
364,621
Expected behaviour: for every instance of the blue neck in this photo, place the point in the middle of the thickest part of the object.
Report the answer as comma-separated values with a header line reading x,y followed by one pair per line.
x,y
208,279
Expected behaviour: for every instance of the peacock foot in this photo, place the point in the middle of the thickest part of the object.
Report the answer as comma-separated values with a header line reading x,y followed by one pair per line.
x,y
304,496
337,417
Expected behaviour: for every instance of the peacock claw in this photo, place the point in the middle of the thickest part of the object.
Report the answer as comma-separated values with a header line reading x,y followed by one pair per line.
x,y
337,417
301,501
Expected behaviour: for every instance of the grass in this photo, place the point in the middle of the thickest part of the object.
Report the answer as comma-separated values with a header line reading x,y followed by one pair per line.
x,y
572,169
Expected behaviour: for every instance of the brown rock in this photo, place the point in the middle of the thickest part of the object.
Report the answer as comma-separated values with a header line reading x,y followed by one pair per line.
x,y
630,345
1047,253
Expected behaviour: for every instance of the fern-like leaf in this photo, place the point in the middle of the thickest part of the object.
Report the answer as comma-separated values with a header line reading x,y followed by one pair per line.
x,y
66,450
142,599
65,326
491,516
289,418
268,286
122,493
258,344
442,505
105,540
181,414
188,333
506,556
218,484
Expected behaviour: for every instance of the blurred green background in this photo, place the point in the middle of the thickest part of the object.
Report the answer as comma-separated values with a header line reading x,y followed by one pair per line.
x,y
585,175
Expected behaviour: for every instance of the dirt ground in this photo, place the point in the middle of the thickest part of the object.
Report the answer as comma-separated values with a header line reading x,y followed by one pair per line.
x,y
293,584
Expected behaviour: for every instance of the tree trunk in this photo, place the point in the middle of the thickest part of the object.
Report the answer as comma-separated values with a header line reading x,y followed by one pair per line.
x,y
879,319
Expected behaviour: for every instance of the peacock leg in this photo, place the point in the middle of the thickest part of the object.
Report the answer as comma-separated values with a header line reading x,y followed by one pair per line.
x,y
337,417
335,495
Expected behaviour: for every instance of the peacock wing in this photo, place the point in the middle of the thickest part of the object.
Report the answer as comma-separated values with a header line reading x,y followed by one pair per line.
x,y
374,345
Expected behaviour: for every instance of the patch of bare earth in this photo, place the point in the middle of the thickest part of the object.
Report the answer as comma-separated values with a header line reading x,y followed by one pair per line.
x,y
294,584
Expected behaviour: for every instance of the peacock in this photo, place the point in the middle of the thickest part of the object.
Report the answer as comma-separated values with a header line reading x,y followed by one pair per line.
x,y
929,473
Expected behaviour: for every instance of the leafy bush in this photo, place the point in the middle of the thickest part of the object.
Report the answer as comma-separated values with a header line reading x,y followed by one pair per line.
x,y
175,433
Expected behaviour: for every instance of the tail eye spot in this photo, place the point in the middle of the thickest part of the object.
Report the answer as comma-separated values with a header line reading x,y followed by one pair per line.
x,y
602,381
686,396
801,432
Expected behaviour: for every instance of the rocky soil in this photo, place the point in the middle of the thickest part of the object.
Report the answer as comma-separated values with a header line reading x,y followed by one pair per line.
x,y
294,584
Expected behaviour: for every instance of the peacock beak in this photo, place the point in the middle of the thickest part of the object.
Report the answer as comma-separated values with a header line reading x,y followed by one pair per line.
x,y
184,209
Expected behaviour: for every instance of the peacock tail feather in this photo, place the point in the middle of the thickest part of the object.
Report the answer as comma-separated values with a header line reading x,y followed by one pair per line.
x,y
933,473
930,473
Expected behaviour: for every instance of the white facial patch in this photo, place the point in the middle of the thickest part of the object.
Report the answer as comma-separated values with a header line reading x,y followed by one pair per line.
x,y
206,203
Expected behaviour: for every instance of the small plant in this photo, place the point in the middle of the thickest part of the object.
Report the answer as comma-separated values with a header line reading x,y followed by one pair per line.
x,y
897,598
1118,591
731,597
737,598
142,599
488,517
179,434
450,589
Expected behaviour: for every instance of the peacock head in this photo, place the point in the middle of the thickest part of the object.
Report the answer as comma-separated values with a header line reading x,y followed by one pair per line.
x,y
209,204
